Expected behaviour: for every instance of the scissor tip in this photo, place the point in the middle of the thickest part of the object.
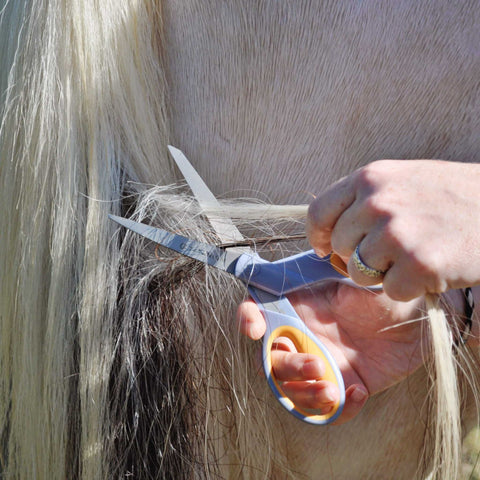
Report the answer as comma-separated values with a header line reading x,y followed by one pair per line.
x,y
173,149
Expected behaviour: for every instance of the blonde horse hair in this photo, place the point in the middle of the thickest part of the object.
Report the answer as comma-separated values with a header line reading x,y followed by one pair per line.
x,y
116,360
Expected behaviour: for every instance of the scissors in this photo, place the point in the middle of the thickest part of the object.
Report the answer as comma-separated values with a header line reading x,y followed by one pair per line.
x,y
268,283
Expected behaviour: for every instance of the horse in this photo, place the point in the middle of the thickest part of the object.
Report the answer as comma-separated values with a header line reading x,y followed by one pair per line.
x,y
119,359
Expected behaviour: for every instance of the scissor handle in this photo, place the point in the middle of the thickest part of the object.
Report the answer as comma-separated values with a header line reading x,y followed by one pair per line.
x,y
293,273
282,321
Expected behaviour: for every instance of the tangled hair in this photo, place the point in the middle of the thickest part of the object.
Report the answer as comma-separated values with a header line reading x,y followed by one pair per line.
x,y
116,359
105,360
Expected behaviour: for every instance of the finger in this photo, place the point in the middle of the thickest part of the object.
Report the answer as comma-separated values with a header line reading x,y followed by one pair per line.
x,y
250,320
416,272
324,211
369,262
315,395
403,284
284,344
355,398
288,366
351,227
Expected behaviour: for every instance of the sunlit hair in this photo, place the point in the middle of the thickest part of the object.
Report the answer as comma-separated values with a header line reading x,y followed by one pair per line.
x,y
116,359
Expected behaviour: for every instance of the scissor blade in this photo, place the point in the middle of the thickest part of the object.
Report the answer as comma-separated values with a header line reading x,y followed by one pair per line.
x,y
224,227
210,254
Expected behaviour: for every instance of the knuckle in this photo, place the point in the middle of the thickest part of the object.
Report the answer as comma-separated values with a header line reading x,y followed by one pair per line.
x,y
376,205
373,173
375,190
314,214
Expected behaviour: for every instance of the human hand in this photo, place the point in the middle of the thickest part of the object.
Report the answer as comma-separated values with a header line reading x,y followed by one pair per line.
x,y
375,341
416,220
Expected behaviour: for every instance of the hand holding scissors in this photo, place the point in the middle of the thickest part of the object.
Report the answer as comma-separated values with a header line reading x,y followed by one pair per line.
x,y
267,283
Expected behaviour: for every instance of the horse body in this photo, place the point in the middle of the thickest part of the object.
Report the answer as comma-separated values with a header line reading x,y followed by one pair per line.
x,y
282,98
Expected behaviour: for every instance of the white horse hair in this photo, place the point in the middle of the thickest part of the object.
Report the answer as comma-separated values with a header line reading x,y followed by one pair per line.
x,y
117,360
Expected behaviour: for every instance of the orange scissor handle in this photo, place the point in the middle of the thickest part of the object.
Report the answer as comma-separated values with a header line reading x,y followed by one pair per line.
x,y
281,324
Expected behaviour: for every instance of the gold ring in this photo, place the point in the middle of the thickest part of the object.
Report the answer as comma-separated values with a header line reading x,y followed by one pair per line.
x,y
362,267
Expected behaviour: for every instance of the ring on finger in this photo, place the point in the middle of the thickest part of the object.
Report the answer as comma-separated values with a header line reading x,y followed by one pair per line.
x,y
363,268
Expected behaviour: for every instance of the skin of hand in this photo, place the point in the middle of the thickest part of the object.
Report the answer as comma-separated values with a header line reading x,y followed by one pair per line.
x,y
373,339
417,220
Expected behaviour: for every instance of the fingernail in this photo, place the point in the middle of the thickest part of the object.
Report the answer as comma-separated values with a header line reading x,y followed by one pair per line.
x,y
330,395
256,332
359,395
326,410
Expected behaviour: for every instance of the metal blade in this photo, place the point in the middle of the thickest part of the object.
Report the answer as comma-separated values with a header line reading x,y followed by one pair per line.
x,y
210,254
224,227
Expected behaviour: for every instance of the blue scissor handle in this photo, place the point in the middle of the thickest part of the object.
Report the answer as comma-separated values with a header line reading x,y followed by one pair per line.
x,y
283,321
292,273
